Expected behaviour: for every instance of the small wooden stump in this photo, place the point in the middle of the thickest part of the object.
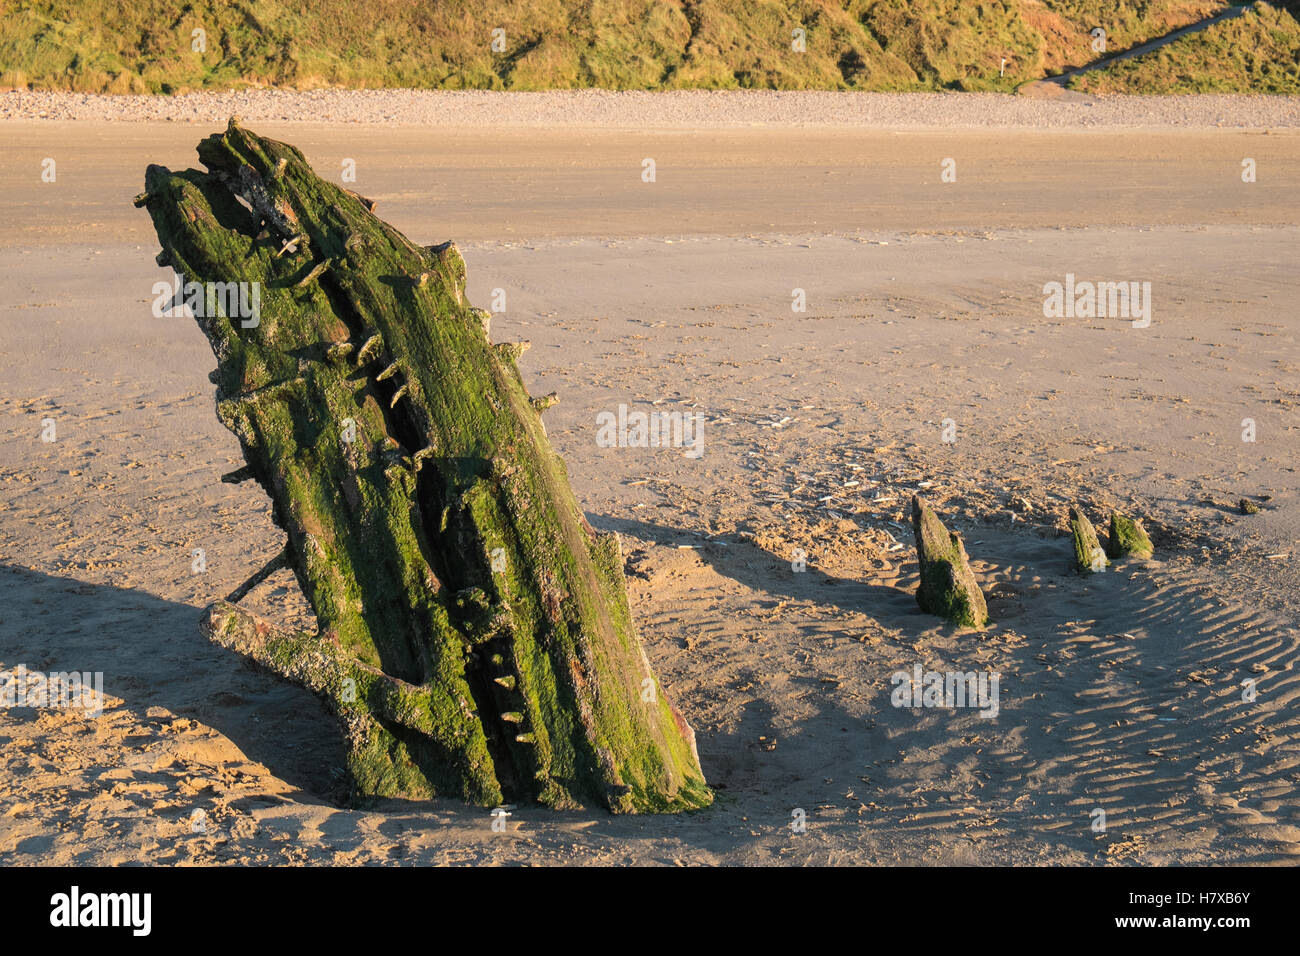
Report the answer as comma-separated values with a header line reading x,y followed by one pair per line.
x,y
1127,538
948,586
1089,558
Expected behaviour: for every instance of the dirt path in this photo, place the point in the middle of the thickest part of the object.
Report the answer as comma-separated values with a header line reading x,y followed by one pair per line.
x,y
1057,87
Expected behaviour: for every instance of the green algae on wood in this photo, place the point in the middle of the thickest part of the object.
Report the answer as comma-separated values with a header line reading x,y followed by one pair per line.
x,y
479,625
1089,557
948,588
384,718
1127,538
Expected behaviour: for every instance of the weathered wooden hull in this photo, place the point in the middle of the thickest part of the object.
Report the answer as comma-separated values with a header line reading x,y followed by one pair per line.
x,y
482,624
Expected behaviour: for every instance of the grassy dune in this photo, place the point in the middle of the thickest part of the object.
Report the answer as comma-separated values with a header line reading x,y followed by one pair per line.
x,y
1257,52
146,46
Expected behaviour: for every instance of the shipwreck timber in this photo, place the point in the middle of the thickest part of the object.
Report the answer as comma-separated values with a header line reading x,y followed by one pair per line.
x,y
474,630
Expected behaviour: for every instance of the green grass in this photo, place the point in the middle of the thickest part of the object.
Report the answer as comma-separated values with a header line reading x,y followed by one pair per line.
x,y
145,46
1258,52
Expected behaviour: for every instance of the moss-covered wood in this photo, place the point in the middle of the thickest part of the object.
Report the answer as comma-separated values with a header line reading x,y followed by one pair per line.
x,y
1089,557
474,630
1127,538
948,587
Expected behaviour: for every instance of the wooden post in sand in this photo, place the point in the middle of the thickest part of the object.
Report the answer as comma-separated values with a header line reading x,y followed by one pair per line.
x,y
948,587
475,635
1089,558
1127,538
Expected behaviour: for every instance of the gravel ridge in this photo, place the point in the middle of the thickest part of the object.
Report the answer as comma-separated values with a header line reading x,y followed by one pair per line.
x,y
686,109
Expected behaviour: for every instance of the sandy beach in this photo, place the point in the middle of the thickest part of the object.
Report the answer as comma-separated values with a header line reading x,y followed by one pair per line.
x,y
924,306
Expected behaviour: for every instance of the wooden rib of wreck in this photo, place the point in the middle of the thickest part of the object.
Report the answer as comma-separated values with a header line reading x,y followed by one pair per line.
x,y
948,587
1089,557
474,630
